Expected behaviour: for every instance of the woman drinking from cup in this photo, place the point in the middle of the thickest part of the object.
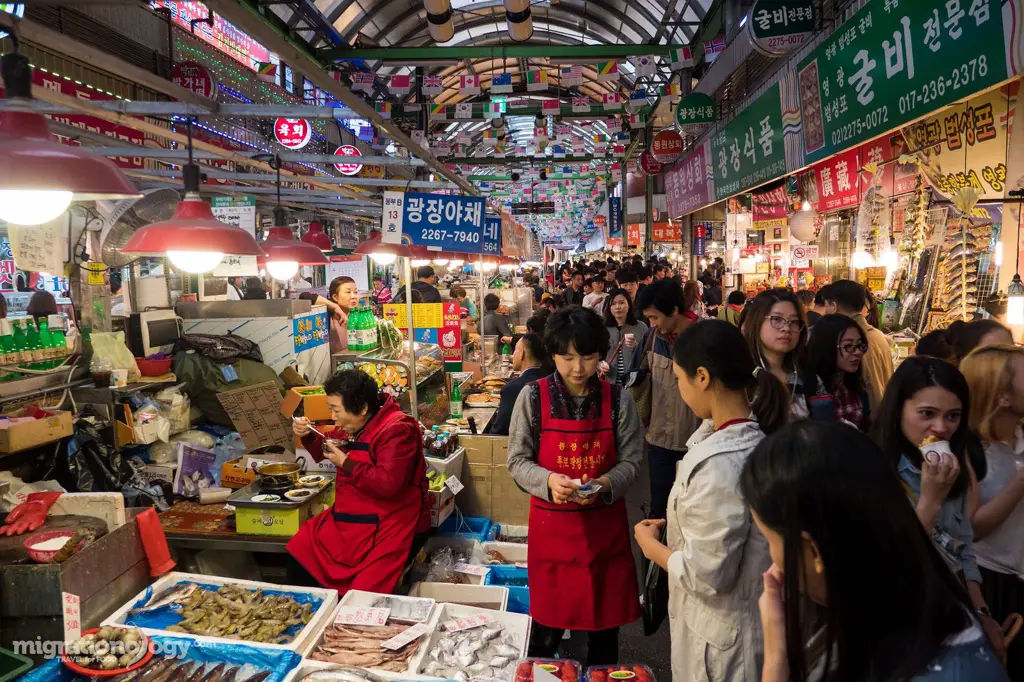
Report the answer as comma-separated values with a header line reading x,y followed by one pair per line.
x,y
624,332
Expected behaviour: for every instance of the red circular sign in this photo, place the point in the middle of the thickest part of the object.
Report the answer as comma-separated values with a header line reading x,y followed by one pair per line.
x,y
649,164
667,145
293,133
348,168
195,77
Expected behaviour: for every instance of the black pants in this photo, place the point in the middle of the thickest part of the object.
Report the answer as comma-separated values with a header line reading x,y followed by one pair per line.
x,y
662,465
602,645
1004,594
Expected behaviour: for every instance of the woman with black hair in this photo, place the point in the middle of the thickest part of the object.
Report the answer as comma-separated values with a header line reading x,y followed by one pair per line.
x,y
713,554
834,355
381,509
494,323
927,400
894,612
575,444
624,335
776,334
966,336
344,296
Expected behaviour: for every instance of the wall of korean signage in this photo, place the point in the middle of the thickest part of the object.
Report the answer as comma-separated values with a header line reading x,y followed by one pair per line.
x,y
878,89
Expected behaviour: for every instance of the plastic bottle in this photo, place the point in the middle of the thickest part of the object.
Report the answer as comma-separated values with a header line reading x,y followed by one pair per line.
x,y
8,354
371,328
24,354
60,344
357,330
428,440
455,401
506,358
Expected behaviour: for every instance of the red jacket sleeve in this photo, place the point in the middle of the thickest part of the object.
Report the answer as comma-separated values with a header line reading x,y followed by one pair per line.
x,y
397,451
314,444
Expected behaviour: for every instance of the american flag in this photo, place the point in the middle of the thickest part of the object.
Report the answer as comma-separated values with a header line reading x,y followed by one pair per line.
x,y
580,105
433,85
570,75
363,81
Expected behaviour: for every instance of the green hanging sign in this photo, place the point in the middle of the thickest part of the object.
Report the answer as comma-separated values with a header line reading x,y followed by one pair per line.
x,y
695,113
749,150
778,27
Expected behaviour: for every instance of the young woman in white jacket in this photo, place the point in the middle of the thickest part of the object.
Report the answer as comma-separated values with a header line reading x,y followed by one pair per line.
x,y
714,555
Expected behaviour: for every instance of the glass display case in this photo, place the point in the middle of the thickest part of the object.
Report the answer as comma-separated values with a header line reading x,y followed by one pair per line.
x,y
390,368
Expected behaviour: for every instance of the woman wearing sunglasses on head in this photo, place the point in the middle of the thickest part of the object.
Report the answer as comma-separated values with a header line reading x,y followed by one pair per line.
x,y
776,333
835,351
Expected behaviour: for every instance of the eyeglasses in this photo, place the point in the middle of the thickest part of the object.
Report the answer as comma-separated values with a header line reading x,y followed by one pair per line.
x,y
851,348
781,323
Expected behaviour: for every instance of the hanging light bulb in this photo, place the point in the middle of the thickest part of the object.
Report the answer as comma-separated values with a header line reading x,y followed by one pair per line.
x,y
39,178
195,262
890,259
488,266
806,206
419,262
284,252
862,259
1015,301
441,261
456,262
282,270
384,258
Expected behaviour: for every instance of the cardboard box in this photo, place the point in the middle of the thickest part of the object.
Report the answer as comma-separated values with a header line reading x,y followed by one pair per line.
x,y
494,597
313,407
509,504
24,435
479,449
442,504
237,473
490,490
475,497
159,472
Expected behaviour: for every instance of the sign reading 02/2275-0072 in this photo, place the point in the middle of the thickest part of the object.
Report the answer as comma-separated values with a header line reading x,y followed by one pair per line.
x,y
893,62
437,221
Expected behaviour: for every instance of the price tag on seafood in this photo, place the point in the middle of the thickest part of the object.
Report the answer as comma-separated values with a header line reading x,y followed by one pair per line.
x,y
362,615
408,635
454,484
72,605
458,624
470,569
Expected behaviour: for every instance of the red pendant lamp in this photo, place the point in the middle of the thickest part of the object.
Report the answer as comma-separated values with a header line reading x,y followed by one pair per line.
x,y
316,236
193,239
284,252
385,254
39,178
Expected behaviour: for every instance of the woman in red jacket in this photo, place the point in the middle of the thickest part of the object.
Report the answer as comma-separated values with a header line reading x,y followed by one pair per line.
x,y
380,506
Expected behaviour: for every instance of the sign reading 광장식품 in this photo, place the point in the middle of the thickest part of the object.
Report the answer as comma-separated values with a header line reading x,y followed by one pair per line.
x,y
894,61
749,150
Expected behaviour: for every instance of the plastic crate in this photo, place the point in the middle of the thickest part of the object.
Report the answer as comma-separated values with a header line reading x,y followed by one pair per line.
x,y
12,665
511,577
474,527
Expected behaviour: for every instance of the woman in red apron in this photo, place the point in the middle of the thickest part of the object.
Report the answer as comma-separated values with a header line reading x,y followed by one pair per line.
x,y
380,505
569,429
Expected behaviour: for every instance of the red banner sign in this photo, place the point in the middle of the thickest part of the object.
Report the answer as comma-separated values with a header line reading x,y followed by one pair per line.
x,y
348,168
667,232
633,234
837,181
92,124
686,186
195,77
770,208
649,164
222,35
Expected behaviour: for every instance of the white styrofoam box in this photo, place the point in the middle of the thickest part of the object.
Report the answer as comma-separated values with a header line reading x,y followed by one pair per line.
x,y
311,630
310,666
510,531
482,596
106,506
360,598
513,551
467,547
518,624
451,465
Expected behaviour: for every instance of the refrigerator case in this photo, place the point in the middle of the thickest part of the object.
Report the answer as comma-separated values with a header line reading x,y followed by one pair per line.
x,y
390,368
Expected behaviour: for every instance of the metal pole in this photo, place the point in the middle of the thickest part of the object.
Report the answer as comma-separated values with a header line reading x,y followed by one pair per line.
x,y
413,400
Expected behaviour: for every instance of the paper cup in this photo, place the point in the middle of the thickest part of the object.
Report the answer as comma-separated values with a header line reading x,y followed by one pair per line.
x,y
630,339
119,377
934,452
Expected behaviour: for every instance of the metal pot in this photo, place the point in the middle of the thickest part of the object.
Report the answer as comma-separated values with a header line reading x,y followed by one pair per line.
x,y
276,477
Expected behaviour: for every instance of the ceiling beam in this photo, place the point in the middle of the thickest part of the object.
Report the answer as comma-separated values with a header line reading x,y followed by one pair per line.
x,y
253,23
30,31
409,54
268,177
245,158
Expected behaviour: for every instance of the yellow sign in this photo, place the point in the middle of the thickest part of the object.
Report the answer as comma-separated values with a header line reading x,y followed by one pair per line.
x,y
96,274
372,172
965,145
424,315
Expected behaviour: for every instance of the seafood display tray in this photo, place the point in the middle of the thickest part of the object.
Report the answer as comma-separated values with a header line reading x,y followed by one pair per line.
x,y
515,623
308,667
302,641
243,498
361,598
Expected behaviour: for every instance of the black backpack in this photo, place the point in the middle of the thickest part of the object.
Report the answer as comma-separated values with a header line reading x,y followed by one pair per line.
x,y
227,348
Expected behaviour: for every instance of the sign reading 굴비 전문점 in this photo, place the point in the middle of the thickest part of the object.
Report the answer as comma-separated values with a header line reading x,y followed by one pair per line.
x,y
438,221
779,27
893,62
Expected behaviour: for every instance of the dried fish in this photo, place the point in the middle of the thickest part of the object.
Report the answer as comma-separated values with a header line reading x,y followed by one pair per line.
x,y
460,676
491,632
506,650
466,660
173,595
499,661
340,674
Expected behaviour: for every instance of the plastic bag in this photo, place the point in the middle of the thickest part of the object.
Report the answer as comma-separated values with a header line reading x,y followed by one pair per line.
x,y
150,424
85,463
175,406
110,346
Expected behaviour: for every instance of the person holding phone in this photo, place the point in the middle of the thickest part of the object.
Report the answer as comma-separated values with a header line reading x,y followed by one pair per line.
x,y
569,430
381,512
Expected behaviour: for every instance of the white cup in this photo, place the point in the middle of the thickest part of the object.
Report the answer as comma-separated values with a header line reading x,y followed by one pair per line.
x,y
118,377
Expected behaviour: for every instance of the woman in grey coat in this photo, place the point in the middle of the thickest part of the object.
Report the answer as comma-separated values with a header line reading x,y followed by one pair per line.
x,y
625,334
